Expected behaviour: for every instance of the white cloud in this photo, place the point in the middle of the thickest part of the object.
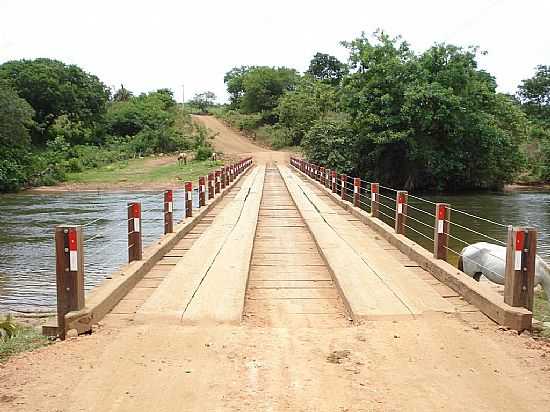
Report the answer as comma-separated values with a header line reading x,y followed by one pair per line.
x,y
147,45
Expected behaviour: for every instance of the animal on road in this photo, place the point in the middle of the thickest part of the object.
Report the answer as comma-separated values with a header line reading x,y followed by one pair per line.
x,y
489,260
182,158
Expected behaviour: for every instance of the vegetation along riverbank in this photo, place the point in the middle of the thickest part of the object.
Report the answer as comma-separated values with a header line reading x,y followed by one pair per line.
x,y
419,121
57,120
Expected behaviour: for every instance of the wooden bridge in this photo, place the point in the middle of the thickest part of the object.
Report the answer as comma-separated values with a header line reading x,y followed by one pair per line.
x,y
279,292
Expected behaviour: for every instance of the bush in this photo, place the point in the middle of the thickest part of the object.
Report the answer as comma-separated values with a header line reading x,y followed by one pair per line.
x,y
275,136
203,152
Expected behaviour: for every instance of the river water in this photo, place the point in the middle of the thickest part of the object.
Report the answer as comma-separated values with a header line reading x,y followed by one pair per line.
x,y
27,254
27,221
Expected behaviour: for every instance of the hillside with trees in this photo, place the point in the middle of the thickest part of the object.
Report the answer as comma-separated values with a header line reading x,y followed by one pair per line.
x,y
420,121
57,119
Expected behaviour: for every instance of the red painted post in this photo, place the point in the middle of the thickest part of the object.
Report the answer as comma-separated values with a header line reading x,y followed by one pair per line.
x,y
222,177
69,272
375,199
356,191
217,175
135,251
210,186
227,177
441,230
202,191
400,211
327,178
343,181
188,199
231,173
519,272
322,175
333,177
168,211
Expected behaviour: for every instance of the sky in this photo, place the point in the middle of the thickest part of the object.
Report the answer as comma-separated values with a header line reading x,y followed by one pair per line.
x,y
147,45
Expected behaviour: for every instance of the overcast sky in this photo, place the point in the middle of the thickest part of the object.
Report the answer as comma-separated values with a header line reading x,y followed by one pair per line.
x,y
147,45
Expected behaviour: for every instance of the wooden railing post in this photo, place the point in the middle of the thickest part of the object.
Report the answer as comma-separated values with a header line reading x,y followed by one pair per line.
x,y
375,199
188,199
222,177
441,230
327,178
210,186
202,190
69,271
400,211
322,175
168,211
519,276
343,181
334,181
217,186
135,250
356,191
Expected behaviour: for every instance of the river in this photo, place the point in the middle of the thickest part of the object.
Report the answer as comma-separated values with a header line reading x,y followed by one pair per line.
x,y
27,261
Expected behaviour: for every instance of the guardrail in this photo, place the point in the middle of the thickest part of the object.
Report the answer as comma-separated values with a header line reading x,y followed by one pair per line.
x,y
409,213
70,242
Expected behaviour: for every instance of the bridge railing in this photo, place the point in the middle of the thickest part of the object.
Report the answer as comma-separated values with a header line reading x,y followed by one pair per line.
x,y
73,250
429,224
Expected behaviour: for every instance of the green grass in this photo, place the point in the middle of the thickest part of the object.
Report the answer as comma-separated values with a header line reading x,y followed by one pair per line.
x,y
541,310
26,338
145,170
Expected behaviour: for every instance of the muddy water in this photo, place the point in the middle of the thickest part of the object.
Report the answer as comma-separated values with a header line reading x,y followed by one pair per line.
x,y
27,267
27,221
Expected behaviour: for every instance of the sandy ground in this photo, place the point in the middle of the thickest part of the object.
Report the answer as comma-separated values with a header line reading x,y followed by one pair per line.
x,y
453,362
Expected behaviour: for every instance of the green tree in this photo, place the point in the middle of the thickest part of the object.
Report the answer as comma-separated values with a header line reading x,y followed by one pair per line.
x,y
262,87
436,115
299,108
331,141
53,89
15,118
204,100
534,93
234,83
327,68
122,94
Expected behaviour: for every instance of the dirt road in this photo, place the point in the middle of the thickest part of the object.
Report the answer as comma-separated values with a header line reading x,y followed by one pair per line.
x,y
276,360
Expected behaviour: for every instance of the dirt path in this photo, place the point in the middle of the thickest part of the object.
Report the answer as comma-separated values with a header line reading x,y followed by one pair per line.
x,y
273,362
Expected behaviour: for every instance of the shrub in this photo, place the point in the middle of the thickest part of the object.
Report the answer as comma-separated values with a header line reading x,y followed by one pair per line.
x,y
203,152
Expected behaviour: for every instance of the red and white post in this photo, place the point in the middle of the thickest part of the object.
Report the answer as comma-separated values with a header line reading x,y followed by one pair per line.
x,y
519,274
400,211
69,271
441,230
322,175
202,191
343,181
188,199
217,177
134,232
333,178
375,199
210,186
168,211
356,191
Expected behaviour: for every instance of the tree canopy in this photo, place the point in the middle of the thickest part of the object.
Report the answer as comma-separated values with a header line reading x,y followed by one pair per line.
x,y
204,100
327,68
534,93
53,89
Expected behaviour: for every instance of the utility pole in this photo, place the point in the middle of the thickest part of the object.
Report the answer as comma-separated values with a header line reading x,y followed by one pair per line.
x,y
182,97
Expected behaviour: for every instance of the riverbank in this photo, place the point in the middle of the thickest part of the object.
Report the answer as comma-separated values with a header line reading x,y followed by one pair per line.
x,y
151,173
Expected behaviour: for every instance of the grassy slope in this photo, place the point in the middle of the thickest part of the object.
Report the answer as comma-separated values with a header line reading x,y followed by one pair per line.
x,y
27,338
143,171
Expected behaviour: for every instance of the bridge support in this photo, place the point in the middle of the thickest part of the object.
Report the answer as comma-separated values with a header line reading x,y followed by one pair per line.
x,y
400,211
519,277
69,270
168,211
